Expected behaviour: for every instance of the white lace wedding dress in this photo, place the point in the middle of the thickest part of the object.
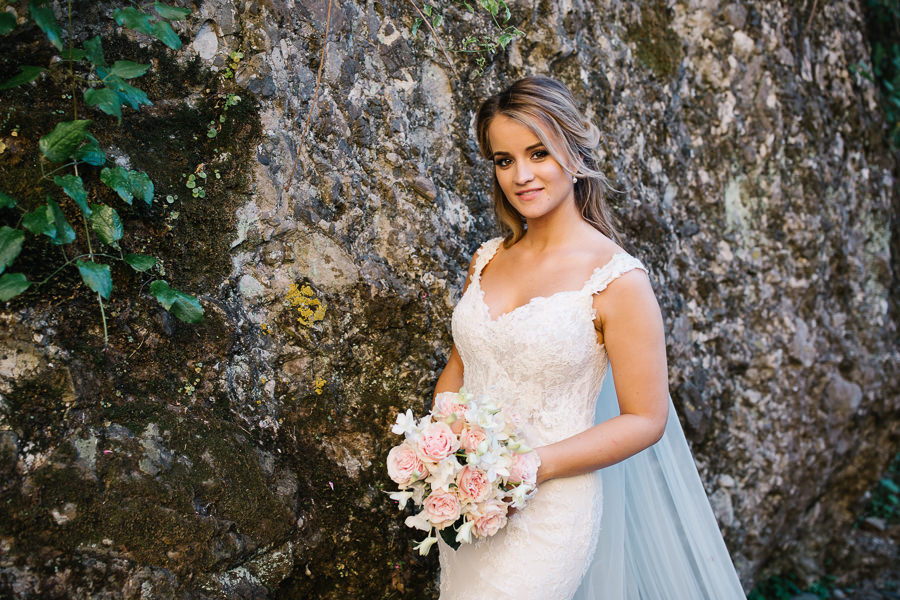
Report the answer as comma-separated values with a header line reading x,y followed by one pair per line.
x,y
543,360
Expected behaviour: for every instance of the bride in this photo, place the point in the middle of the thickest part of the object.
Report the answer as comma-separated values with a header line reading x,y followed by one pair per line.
x,y
547,311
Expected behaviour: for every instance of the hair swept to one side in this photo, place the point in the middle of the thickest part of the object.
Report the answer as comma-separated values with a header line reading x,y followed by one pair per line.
x,y
547,108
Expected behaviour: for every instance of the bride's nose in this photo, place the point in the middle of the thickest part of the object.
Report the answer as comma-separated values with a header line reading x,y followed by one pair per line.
x,y
524,173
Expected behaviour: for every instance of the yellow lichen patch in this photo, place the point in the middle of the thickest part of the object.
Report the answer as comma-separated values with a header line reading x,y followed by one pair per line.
x,y
319,384
310,308
265,329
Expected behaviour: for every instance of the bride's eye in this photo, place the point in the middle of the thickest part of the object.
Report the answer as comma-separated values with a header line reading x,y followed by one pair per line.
x,y
502,162
539,154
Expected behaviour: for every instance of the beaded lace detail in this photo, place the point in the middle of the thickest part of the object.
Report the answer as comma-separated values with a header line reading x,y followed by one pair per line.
x,y
541,360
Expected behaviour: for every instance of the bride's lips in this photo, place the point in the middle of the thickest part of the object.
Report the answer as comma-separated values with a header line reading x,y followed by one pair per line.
x,y
528,194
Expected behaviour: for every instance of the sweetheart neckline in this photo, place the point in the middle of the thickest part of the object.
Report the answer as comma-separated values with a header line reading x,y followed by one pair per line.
x,y
477,281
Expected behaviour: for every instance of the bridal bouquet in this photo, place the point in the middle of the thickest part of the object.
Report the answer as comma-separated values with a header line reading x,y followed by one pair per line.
x,y
464,464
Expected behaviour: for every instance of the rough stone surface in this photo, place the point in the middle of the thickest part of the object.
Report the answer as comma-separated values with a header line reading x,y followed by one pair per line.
x,y
244,457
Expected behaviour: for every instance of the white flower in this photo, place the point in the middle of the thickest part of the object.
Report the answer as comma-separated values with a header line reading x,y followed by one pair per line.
x,y
520,495
419,521
443,474
402,497
464,534
406,424
425,545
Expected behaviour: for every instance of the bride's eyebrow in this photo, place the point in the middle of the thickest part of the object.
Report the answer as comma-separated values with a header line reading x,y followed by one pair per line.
x,y
528,149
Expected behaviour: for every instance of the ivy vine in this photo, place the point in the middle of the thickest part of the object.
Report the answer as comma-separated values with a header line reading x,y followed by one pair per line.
x,y
70,146
478,46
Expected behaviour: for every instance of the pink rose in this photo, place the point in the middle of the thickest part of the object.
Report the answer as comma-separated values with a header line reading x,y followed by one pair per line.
x,y
446,404
492,519
524,468
473,484
438,442
442,508
403,463
471,437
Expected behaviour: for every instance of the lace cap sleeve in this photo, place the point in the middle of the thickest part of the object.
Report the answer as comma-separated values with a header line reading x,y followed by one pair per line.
x,y
485,253
618,265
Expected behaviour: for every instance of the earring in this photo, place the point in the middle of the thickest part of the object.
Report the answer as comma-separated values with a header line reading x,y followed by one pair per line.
x,y
574,179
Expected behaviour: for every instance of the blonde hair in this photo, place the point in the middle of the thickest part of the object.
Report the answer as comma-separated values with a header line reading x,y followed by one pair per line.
x,y
547,108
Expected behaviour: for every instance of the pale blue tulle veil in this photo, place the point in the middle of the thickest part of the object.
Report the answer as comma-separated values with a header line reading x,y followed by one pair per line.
x,y
659,539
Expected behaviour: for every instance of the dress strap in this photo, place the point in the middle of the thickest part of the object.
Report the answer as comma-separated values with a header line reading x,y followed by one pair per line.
x,y
618,265
485,253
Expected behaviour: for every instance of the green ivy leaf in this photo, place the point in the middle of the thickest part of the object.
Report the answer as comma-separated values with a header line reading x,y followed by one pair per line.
x,y
140,262
415,27
427,10
96,276
164,33
59,144
10,245
170,12
7,22
64,232
106,224
74,188
6,201
165,295
90,152
184,306
40,221
128,184
94,47
43,16
128,70
133,18
492,6
11,285
73,54
49,220
437,20
128,94
105,99
29,73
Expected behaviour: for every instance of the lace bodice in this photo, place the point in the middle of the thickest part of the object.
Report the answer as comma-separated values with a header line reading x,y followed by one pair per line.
x,y
542,358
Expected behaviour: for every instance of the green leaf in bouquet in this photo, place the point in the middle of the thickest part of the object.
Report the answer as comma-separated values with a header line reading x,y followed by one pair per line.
x,y
29,73
128,184
449,533
106,224
74,188
60,144
140,262
10,245
173,13
96,276
11,285
43,16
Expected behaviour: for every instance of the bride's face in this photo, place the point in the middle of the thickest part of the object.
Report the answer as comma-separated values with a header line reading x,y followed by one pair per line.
x,y
532,180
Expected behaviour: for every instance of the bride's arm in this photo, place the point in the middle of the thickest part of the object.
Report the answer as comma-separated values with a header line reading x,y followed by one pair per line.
x,y
629,317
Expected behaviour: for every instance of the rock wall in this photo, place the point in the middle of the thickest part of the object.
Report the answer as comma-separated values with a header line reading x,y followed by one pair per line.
x,y
244,457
